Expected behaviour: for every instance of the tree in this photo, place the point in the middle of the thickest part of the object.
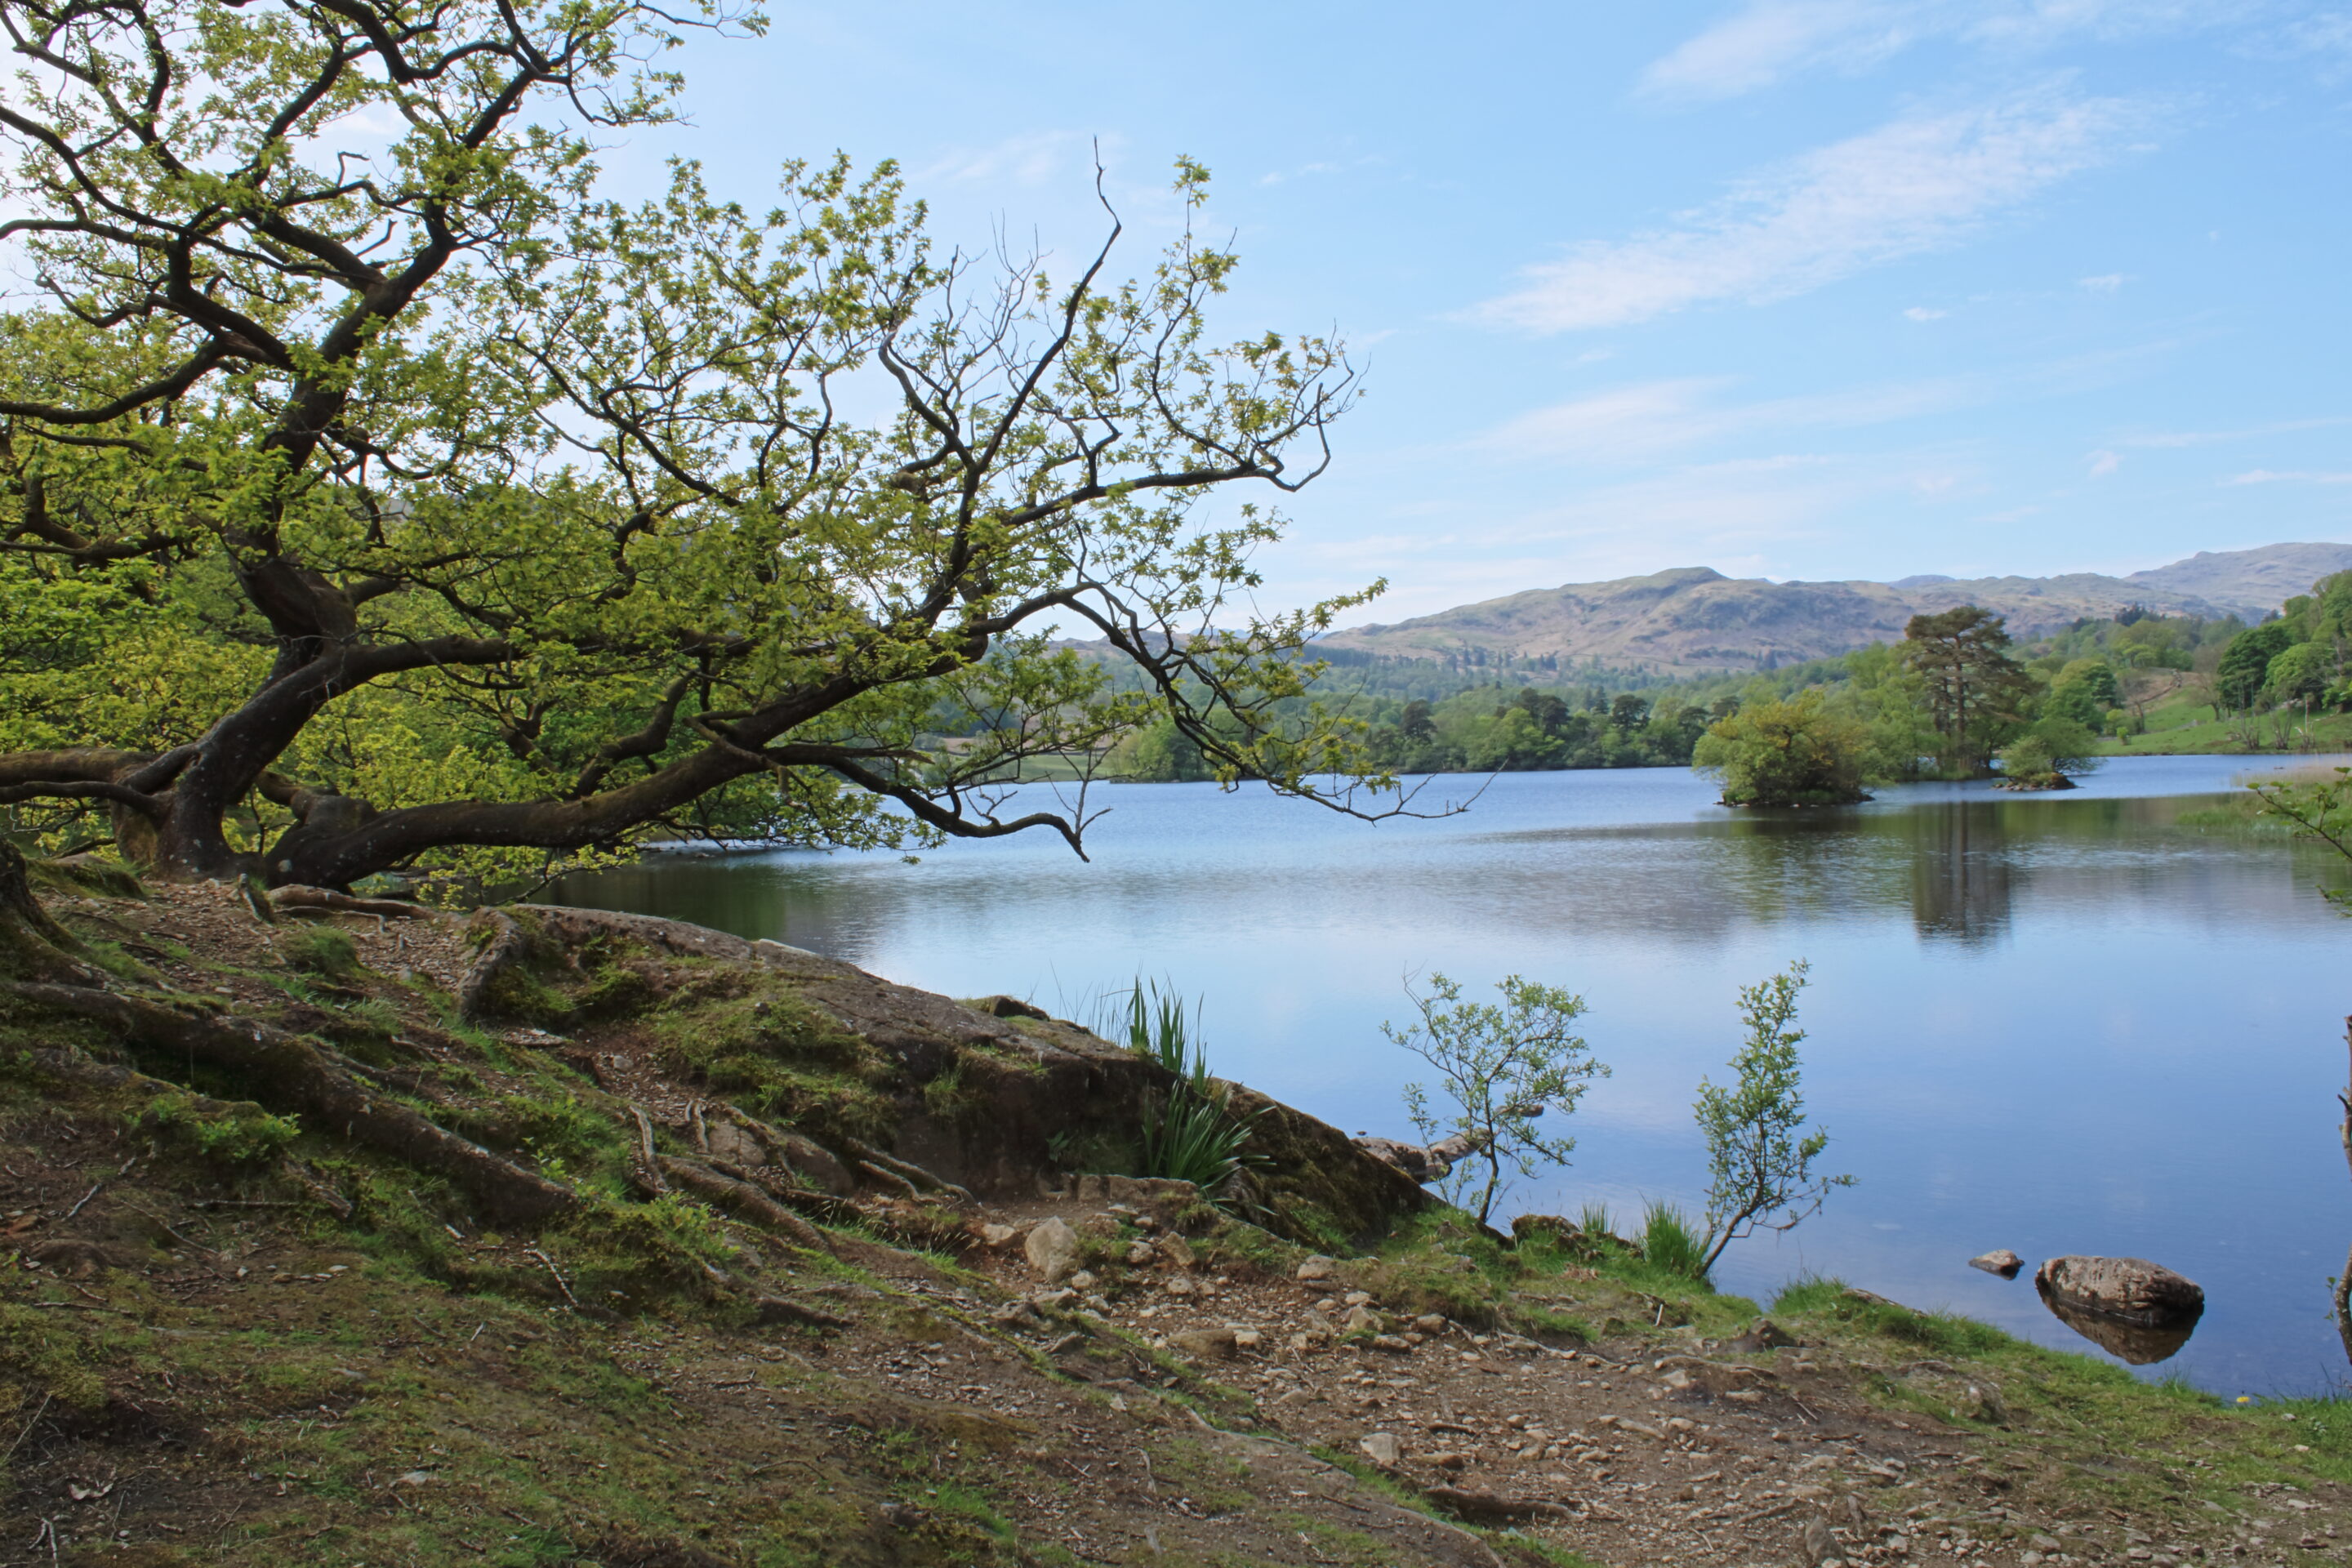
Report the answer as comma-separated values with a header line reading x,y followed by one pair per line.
x,y
1414,723
1503,1067
1760,1162
2047,755
2301,673
1628,712
1972,683
2246,663
1793,753
427,507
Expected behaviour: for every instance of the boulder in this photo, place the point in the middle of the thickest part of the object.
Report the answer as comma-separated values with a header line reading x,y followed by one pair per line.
x,y
1362,1320
1052,1248
2128,1289
1382,1448
2140,1312
1318,1270
2000,1261
1178,1251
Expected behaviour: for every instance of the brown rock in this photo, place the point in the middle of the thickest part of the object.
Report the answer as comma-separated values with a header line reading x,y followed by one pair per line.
x,y
1382,1448
1178,1251
1052,1248
2129,1289
1317,1269
1205,1344
2135,1310
2000,1261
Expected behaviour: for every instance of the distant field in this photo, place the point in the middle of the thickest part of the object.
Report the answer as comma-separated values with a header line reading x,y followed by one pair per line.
x,y
2183,728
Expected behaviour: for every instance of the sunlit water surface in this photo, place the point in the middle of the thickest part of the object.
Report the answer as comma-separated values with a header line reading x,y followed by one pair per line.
x,y
2051,1023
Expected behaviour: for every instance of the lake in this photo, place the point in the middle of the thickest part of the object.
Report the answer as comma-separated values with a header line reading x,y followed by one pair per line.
x,y
2055,1023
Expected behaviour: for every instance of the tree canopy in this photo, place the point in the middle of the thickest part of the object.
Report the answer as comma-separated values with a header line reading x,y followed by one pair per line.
x,y
1972,683
1800,751
420,504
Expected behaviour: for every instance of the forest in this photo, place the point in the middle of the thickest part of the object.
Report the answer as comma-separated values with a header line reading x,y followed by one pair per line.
x,y
2102,686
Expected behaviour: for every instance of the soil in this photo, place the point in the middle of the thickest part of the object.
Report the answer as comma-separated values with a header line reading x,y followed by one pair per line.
x,y
206,1361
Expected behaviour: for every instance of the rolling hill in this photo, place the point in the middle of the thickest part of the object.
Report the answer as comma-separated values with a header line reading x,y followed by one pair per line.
x,y
1693,618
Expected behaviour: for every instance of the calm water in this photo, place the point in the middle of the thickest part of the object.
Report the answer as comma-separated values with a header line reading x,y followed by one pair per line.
x,y
2056,1024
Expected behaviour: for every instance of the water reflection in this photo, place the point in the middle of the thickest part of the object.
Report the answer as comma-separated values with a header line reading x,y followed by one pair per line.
x,y
2015,999
2141,1344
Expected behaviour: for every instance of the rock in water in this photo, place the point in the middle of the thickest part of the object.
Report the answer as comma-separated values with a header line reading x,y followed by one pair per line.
x,y
2000,1261
1052,1248
2138,1310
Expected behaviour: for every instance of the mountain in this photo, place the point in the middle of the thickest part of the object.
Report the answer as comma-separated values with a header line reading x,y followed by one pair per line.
x,y
1694,618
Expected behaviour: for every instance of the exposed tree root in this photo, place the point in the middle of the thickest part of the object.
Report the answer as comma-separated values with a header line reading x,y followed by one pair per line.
x,y
741,1198
910,1174
297,897
318,1084
509,949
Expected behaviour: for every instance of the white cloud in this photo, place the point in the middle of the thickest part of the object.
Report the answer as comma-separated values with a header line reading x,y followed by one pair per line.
x,y
2106,283
2269,477
1915,184
1638,420
2206,437
2104,463
1033,159
1926,313
1767,41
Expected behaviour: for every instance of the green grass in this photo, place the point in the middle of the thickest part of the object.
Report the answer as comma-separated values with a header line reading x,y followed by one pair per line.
x,y
1671,1245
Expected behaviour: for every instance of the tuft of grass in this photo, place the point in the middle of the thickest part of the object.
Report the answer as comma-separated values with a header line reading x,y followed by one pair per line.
x,y
1808,1293
1670,1245
325,951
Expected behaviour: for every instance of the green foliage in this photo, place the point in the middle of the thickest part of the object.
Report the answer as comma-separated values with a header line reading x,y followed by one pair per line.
x,y
1973,684
542,516
2246,663
2055,747
1797,752
1670,1243
2318,808
1760,1162
1190,1136
1502,1068
1189,1132
240,1135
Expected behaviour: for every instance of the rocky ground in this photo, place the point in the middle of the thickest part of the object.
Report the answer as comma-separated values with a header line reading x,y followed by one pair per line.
x,y
228,1338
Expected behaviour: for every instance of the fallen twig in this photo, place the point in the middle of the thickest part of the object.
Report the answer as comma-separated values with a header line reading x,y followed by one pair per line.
x,y
558,1273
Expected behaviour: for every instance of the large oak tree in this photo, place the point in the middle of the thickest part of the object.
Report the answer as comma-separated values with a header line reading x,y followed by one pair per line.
x,y
374,493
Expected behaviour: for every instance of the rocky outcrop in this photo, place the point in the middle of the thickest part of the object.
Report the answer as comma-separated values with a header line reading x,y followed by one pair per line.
x,y
1021,1083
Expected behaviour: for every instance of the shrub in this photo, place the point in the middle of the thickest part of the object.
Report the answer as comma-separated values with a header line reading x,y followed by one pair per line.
x,y
1503,1067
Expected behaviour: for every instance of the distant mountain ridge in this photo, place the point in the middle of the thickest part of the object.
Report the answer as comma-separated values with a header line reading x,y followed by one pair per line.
x,y
1693,618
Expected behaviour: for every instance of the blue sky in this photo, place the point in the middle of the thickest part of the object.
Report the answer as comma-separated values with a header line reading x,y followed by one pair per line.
x,y
1796,289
